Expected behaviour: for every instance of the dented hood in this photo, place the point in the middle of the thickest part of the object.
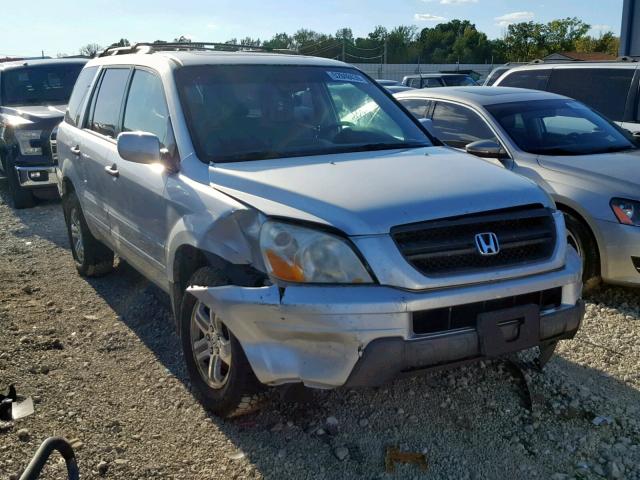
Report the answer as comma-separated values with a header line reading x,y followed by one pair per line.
x,y
370,192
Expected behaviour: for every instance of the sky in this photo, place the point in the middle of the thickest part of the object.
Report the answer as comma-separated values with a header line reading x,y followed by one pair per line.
x,y
63,26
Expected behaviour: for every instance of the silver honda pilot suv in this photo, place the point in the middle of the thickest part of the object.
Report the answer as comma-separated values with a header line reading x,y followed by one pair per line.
x,y
307,228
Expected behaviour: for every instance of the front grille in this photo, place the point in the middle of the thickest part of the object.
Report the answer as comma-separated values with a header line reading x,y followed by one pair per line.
x,y
465,316
525,235
53,144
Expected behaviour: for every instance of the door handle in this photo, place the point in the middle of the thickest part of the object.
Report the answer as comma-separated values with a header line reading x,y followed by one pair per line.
x,y
75,150
112,170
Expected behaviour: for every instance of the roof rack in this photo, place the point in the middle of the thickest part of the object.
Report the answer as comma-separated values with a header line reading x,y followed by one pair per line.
x,y
145,47
617,60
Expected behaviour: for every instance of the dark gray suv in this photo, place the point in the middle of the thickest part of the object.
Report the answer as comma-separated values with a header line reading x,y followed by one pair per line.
x,y
33,99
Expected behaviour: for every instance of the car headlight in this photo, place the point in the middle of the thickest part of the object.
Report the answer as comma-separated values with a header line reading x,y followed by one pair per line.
x,y
626,211
303,255
29,141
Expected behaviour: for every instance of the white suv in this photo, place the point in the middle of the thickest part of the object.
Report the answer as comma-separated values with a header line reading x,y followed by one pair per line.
x,y
307,228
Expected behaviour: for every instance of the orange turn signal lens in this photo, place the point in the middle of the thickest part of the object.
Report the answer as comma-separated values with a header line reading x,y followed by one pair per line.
x,y
283,269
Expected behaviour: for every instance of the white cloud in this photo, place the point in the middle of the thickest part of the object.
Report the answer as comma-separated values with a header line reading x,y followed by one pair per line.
x,y
601,28
457,2
427,17
514,17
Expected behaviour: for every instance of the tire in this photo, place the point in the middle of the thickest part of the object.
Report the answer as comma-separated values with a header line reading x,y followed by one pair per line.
x,y
19,197
231,389
579,237
92,257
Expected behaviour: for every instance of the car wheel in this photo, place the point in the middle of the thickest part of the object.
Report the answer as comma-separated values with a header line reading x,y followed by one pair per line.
x,y
580,238
92,257
19,196
216,363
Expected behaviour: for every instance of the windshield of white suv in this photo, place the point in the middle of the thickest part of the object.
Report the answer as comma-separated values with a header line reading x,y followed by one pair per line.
x,y
39,84
253,112
559,127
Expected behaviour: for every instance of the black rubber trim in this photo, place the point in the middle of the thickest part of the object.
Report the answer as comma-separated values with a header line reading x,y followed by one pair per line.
x,y
385,359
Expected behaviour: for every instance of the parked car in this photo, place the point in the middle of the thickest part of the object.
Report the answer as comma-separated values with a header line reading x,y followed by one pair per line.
x,y
388,83
582,159
305,227
434,80
33,98
611,88
495,74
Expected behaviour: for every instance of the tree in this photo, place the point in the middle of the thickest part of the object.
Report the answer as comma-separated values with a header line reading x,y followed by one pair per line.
x,y
90,50
182,39
123,42
280,41
454,41
561,35
606,43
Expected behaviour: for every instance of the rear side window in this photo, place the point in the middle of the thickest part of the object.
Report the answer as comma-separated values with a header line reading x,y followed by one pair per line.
x,y
534,79
106,111
459,126
604,89
414,82
80,91
417,107
146,109
431,83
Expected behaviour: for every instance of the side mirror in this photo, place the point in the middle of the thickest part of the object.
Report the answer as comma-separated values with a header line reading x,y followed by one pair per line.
x,y
487,149
139,147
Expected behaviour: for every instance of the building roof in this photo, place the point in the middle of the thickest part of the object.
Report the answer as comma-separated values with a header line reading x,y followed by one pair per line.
x,y
580,56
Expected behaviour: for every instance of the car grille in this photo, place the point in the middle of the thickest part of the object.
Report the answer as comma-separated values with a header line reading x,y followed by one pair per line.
x,y
444,247
53,144
465,316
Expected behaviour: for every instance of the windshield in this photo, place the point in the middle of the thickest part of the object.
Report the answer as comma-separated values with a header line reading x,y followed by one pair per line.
x,y
459,81
558,127
38,84
252,112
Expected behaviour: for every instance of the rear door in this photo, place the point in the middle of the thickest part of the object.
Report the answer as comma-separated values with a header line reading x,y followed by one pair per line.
x,y
96,145
138,212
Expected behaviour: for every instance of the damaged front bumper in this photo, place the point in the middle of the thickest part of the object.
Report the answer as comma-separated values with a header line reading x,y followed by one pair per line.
x,y
330,336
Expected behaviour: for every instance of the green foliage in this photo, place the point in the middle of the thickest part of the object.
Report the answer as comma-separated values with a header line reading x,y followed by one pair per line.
x,y
450,42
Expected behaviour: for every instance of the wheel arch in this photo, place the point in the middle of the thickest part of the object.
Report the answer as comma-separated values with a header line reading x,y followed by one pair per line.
x,y
564,207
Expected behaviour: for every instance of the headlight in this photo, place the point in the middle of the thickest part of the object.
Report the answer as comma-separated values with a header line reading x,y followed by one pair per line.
x,y
303,255
626,211
29,141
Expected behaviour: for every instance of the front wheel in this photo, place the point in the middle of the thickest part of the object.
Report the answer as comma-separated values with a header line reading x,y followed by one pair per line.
x,y
215,361
92,257
580,238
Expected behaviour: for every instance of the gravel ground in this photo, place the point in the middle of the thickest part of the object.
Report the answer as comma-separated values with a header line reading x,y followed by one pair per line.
x,y
102,362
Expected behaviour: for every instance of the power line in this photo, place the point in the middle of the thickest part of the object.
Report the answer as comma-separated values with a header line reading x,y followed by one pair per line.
x,y
324,49
362,58
313,45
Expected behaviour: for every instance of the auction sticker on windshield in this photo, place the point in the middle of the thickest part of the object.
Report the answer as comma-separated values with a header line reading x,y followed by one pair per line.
x,y
346,77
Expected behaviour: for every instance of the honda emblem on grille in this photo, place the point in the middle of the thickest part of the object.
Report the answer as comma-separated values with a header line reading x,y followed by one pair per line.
x,y
487,244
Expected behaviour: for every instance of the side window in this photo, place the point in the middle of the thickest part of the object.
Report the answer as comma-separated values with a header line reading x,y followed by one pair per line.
x,y
431,83
459,126
414,82
146,108
535,79
604,89
106,111
417,107
80,91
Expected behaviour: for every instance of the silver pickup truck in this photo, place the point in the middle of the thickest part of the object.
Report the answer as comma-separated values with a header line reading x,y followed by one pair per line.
x,y
306,227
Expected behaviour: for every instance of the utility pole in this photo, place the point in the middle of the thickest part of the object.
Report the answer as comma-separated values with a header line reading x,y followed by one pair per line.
x,y
384,55
344,45
42,53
